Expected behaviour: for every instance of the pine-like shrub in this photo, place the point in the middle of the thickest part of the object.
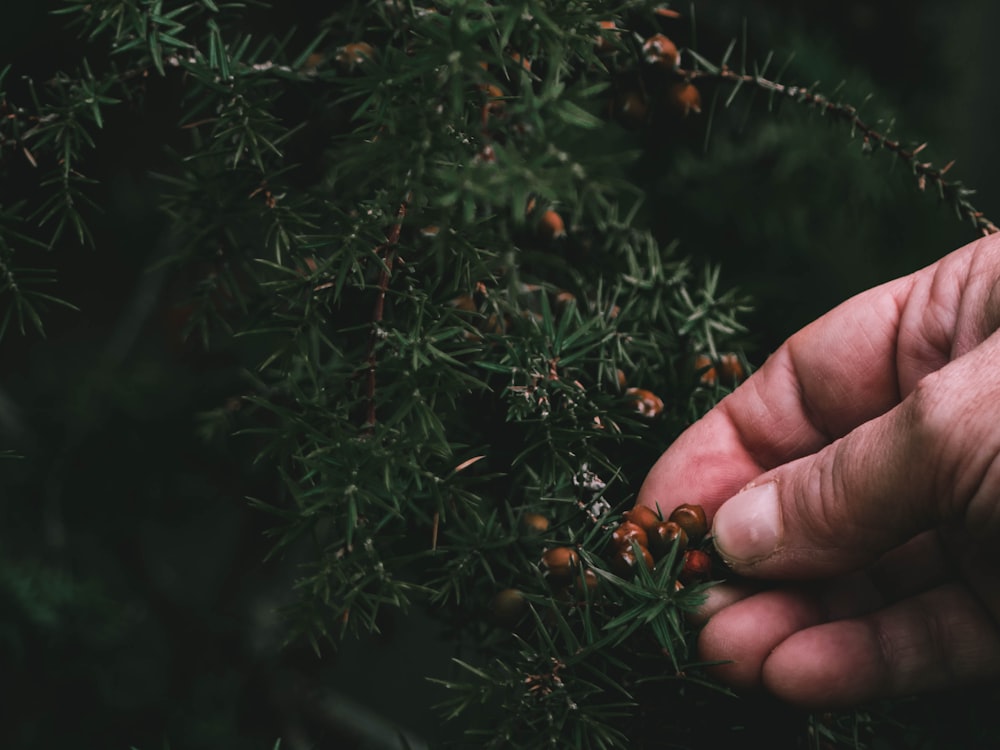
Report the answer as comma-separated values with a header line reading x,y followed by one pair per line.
x,y
435,271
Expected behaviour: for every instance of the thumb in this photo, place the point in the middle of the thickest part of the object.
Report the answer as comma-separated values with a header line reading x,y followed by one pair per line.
x,y
931,460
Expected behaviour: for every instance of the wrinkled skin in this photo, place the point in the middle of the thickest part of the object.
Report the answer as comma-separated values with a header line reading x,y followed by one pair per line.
x,y
854,486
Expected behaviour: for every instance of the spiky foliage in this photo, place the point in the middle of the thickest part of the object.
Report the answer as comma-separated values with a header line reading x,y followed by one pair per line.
x,y
423,233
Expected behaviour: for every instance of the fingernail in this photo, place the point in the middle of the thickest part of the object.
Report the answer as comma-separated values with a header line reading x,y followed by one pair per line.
x,y
747,526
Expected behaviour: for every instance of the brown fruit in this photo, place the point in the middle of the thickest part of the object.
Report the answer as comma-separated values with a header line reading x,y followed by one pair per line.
x,y
692,519
685,98
728,367
647,403
551,226
534,523
564,299
508,606
519,58
660,50
561,562
354,54
620,377
628,532
602,44
697,567
666,12
495,102
623,562
630,108
464,302
664,535
587,582
703,364
644,517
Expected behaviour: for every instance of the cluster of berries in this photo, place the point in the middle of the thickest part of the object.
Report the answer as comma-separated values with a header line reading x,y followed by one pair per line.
x,y
644,531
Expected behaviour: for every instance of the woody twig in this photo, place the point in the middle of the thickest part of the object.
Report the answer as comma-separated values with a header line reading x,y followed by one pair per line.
x,y
925,172
386,252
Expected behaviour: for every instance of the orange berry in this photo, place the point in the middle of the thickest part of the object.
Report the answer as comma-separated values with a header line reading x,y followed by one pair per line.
x,y
551,226
627,533
560,562
534,523
564,299
647,403
659,50
602,44
709,376
666,12
354,54
492,91
643,516
692,519
519,58
730,367
685,98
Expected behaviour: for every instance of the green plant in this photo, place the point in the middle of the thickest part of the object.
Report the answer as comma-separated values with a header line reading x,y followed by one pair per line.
x,y
423,238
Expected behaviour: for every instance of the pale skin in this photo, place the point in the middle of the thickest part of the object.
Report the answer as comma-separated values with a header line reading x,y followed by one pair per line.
x,y
854,483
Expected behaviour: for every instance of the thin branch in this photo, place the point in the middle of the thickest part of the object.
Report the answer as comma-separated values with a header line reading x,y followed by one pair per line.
x,y
388,248
925,172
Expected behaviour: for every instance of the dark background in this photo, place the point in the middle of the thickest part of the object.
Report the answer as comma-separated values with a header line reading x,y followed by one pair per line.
x,y
135,608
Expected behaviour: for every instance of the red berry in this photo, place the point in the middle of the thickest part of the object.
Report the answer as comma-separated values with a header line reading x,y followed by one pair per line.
x,y
697,566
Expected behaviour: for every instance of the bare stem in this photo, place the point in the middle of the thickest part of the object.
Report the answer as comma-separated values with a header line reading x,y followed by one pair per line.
x,y
387,252
925,172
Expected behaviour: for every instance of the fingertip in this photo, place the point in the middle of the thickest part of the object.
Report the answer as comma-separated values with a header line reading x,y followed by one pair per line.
x,y
827,666
744,633
747,528
718,598
704,466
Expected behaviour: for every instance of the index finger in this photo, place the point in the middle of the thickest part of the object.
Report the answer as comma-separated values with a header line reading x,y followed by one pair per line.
x,y
849,366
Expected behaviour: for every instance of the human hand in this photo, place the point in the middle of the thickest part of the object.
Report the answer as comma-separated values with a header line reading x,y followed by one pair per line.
x,y
867,448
